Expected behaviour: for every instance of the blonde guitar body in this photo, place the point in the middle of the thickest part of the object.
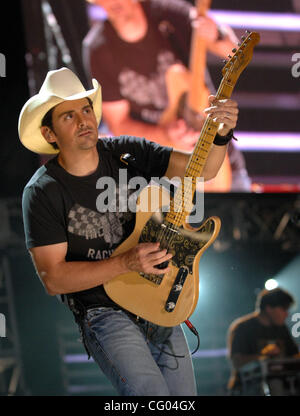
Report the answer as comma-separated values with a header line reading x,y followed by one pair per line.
x,y
147,296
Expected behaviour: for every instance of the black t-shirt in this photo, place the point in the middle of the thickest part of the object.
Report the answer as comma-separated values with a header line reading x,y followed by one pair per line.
x,y
60,207
135,71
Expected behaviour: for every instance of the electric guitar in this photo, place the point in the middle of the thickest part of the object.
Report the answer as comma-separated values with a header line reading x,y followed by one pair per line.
x,y
170,299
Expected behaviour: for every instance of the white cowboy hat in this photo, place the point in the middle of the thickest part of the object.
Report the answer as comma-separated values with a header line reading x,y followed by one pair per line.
x,y
59,85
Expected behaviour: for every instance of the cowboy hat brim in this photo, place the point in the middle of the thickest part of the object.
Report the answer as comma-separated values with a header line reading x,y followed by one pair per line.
x,y
37,106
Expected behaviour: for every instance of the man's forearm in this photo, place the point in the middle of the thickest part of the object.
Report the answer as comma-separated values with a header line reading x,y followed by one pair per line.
x,y
61,277
74,276
214,161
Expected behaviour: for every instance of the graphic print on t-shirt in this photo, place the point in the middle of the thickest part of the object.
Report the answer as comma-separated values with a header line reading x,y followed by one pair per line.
x,y
90,224
148,90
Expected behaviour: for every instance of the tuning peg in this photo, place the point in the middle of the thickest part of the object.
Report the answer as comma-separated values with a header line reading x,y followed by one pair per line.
x,y
248,32
229,56
234,50
239,44
224,61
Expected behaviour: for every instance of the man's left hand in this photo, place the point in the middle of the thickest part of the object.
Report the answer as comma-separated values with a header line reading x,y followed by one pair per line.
x,y
206,27
224,112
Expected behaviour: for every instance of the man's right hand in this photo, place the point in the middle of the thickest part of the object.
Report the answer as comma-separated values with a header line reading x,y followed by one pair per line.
x,y
144,257
270,350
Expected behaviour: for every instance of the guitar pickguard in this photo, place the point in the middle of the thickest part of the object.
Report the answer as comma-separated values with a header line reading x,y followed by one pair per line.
x,y
183,244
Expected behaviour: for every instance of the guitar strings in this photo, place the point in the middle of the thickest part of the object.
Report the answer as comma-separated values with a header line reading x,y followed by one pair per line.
x,y
166,233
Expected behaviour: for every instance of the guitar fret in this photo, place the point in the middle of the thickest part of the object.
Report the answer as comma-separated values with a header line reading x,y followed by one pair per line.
x,y
195,161
204,150
195,166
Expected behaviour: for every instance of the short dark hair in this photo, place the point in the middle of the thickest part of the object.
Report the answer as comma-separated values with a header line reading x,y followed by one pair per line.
x,y
48,122
273,298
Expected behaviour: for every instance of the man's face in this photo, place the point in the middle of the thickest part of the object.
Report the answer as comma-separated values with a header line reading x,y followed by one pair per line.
x,y
74,126
116,9
277,314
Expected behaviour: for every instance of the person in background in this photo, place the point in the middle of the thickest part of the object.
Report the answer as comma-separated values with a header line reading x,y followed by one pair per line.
x,y
261,334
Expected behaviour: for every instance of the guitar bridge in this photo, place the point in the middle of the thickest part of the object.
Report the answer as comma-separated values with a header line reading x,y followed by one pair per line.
x,y
154,278
176,288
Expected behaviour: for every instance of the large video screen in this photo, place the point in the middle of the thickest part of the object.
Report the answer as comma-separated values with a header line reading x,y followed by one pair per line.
x,y
158,68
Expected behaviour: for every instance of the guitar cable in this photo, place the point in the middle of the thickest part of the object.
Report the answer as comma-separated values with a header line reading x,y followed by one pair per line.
x,y
194,331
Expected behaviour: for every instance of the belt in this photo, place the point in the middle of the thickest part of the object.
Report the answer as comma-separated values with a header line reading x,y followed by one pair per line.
x,y
135,318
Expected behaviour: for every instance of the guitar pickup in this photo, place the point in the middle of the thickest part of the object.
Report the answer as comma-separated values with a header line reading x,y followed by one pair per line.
x,y
176,289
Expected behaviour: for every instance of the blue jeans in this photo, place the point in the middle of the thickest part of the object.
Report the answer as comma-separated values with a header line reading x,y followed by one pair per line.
x,y
130,354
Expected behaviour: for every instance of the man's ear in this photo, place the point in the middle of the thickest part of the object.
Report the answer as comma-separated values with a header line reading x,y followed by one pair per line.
x,y
48,134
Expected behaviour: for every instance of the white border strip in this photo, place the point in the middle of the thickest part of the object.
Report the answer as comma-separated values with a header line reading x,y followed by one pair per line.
x,y
235,19
253,20
267,141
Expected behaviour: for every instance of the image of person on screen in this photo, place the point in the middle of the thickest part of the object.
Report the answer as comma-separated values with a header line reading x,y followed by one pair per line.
x,y
132,51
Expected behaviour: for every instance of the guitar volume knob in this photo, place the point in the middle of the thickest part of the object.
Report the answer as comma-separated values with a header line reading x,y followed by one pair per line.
x,y
170,306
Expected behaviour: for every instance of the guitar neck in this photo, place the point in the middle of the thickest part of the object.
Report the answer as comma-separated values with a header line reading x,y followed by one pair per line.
x,y
207,135
181,205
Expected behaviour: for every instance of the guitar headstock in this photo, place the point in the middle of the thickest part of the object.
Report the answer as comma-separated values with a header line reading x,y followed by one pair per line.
x,y
241,57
